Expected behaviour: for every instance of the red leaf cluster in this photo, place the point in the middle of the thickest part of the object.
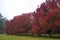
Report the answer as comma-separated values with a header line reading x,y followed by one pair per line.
x,y
46,19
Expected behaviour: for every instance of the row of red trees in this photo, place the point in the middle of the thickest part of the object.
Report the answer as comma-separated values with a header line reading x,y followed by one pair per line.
x,y
46,20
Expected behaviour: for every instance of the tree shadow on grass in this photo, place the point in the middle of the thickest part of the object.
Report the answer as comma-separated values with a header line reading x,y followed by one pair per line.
x,y
53,37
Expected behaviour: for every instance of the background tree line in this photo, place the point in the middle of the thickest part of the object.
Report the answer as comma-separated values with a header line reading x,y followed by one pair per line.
x,y
45,20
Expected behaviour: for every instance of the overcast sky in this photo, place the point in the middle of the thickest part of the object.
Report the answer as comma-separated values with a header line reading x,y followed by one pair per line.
x,y
11,8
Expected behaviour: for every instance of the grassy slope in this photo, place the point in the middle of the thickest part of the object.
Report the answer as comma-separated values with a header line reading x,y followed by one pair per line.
x,y
9,37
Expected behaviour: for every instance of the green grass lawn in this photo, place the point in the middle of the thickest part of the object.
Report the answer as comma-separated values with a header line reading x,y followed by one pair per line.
x,y
10,37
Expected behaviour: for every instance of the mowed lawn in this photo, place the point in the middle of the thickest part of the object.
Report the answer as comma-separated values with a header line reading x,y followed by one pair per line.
x,y
10,37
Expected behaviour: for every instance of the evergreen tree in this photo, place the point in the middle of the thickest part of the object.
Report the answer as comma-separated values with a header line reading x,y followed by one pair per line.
x,y
2,23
